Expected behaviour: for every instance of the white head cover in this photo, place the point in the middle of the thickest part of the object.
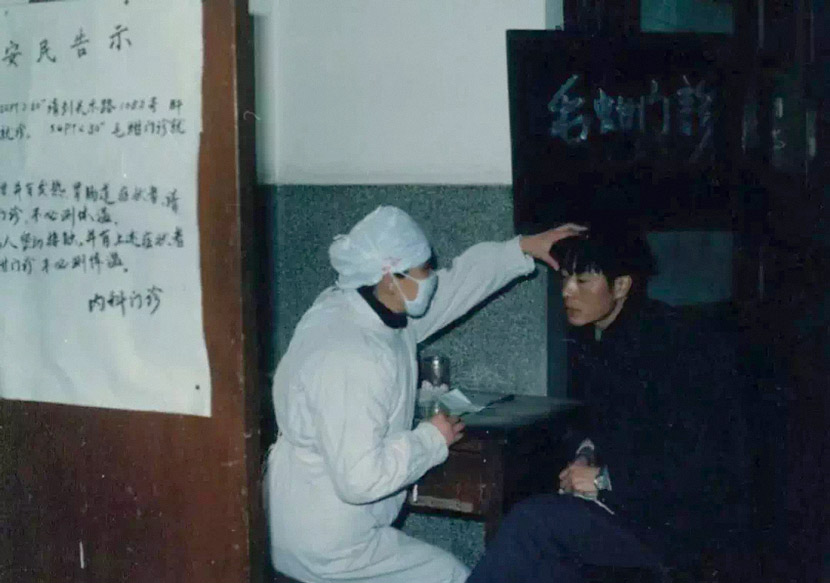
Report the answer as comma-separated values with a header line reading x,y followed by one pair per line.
x,y
386,240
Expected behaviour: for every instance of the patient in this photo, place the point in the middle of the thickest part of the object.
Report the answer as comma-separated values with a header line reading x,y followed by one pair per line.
x,y
657,480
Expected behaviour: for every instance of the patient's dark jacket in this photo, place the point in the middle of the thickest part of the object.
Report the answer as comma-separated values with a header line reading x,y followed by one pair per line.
x,y
665,399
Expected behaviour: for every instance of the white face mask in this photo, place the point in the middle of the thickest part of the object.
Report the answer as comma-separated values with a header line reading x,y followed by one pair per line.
x,y
426,289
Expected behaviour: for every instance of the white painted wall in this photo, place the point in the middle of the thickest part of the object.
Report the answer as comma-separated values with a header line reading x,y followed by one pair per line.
x,y
387,91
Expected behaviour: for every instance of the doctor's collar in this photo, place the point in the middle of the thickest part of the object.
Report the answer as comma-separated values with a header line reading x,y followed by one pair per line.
x,y
387,316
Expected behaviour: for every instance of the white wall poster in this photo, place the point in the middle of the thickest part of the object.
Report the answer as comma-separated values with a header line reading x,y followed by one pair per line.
x,y
100,116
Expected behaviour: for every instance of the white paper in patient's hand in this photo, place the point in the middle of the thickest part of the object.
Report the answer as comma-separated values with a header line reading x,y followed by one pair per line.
x,y
456,403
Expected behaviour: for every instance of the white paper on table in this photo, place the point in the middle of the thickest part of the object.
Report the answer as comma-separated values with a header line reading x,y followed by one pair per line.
x,y
100,122
457,403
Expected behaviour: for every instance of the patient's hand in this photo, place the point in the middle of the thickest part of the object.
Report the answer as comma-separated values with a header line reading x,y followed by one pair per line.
x,y
578,478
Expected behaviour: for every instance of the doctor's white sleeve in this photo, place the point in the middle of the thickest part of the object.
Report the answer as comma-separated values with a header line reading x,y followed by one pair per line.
x,y
365,460
479,272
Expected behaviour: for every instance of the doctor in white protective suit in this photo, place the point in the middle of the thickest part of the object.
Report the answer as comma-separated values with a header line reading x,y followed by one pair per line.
x,y
344,396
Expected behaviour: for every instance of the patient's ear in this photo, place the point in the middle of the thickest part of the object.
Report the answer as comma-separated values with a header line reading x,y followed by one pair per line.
x,y
622,285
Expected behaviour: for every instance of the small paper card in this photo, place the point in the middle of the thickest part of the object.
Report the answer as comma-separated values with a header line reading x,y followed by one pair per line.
x,y
456,403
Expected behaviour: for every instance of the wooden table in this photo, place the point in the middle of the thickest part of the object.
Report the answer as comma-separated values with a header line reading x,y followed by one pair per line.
x,y
510,451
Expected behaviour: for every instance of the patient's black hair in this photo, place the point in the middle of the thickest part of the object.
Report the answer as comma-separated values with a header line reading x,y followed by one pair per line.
x,y
610,251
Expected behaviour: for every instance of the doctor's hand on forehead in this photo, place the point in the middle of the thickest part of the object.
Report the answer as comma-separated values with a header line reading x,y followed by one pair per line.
x,y
538,245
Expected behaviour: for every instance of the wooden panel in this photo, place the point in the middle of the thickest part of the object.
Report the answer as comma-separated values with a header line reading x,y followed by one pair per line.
x,y
102,495
491,469
462,484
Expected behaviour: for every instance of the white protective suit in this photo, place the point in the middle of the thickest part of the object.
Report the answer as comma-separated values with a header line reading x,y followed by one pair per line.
x,y
344,395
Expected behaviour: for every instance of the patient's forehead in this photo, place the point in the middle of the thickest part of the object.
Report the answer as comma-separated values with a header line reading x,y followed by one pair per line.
x,y
589,271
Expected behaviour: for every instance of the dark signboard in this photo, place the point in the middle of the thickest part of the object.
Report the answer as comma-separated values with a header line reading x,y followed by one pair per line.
x,y
646,126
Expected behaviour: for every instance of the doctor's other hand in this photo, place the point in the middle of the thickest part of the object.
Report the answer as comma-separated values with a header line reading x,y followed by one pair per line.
x,y
538,245
450,427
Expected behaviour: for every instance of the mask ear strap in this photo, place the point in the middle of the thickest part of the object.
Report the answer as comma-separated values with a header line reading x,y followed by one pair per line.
x,y
395,284
387,270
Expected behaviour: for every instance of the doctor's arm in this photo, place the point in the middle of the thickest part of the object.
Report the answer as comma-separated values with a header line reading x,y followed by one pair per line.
x,y
482,270
366,460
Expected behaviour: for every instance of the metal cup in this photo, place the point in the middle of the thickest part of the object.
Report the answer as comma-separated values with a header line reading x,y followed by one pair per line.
x,y
426,409
436,370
